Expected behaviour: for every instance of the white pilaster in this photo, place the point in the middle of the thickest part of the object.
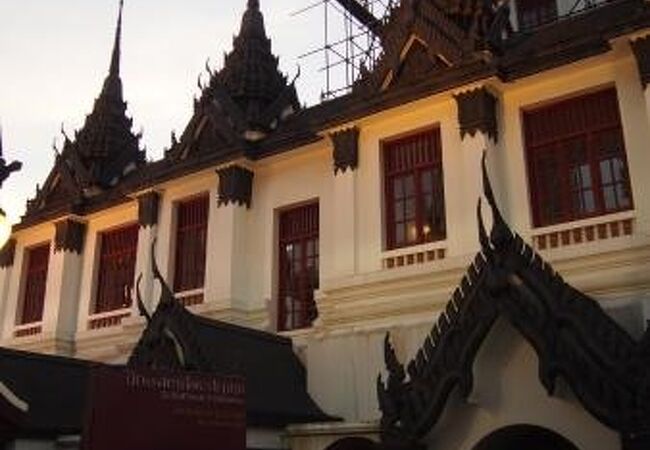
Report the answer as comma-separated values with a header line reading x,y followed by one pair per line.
x,y
62,293
146,236
343,220
227,276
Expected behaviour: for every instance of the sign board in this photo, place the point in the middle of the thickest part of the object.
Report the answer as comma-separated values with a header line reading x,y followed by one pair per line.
x,y
150,410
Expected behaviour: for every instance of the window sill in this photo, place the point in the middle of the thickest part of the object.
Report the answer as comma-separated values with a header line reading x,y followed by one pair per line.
x,y
584,231
415,254
190,298
107,319
28,330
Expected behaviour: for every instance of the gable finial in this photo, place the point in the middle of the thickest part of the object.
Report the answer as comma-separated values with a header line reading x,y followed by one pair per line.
x,y
115,57
500,233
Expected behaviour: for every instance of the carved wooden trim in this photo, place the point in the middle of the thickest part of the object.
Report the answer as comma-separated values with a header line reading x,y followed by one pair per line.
x,y
7,254
346,149
148,208
235,186
573,337
69,236
641,50
477,111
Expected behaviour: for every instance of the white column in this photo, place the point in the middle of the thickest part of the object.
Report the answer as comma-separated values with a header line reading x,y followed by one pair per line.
x,y
226,270
7,255
13,281
61,307
477,115
146,236
148,216
342,212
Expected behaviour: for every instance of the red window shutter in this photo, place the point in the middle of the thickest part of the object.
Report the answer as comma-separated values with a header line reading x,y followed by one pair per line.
x,y
38,259
299,266
533,13
414,190
191,237
577,167
118,250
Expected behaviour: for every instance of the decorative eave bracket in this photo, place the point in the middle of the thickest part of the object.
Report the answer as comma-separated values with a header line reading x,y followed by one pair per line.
x,y
7,254
235,186
641,50
69,236
477,111
346,149
148,208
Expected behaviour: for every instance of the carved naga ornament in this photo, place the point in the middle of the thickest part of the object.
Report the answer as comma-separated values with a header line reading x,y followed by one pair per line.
x,y
608,370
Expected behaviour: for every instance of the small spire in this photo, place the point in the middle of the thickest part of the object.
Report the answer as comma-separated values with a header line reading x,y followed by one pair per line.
x,y
115,58
252,22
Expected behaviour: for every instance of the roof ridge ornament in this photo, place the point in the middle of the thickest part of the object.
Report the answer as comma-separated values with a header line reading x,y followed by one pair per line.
x,y
114,69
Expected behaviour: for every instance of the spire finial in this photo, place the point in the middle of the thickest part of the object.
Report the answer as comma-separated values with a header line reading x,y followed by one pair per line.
x,y
115,58
254,4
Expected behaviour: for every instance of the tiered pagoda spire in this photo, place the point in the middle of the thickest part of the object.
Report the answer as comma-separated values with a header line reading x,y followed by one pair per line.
x,y
103,151
247,99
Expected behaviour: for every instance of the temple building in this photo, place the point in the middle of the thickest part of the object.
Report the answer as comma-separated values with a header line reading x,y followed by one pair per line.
x,y
334,255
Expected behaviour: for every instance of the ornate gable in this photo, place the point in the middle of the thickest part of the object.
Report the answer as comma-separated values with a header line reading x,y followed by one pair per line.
x,y
243,102
608,370
425,36
101,153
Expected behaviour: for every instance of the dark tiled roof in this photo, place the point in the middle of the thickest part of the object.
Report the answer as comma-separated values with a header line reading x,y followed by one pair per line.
x,y
276,391
53,387
243,103
100,155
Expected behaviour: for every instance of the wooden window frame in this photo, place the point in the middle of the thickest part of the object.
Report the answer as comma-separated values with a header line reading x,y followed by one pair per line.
x,y
32,308
183,281
587,136
539,12
434,165
303,308
107,297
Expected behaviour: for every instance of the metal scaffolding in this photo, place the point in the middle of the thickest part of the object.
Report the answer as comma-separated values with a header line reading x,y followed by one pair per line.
x,y
350,40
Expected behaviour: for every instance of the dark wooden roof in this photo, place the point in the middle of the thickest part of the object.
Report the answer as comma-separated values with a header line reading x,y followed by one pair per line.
x,y
276,389
242,103
214,135
53,387
574,339
100,155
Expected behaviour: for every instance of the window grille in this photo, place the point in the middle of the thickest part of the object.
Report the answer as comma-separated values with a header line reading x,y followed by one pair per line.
x,y
35,283
533,13
191,237
577,166
414,190
118,250
299,253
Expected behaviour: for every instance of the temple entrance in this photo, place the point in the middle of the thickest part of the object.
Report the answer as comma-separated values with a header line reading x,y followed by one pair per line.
x,y
529,437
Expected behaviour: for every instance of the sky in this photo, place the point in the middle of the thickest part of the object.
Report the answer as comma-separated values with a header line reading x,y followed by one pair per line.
x,y
54,56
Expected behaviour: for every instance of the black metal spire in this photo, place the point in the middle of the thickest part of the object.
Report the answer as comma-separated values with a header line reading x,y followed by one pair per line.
x,y
115,57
